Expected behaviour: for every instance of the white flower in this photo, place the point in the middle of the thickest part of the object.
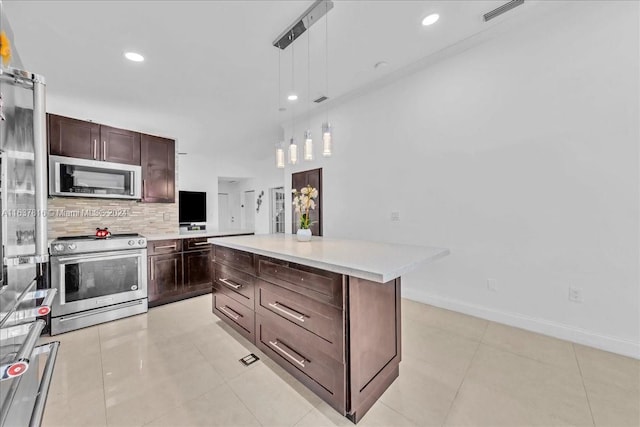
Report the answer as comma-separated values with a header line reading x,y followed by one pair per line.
x,y
293,190
304,190
312,204
297,209
314,193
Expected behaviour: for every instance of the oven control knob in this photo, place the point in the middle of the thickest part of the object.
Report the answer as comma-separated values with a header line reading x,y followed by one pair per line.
x,y
58,247
141,242
132,242
72,246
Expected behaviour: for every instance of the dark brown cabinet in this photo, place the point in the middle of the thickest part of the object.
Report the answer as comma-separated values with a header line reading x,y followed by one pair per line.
x,y
87,140
158,169
165,276
197,271
338,335
302,179
178,269
120,145
73,138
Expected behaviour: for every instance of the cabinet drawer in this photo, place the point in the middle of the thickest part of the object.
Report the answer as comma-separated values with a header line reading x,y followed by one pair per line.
x,y
164,246
321,285
322,320
295,350
234,258
196,243
235,284
235,314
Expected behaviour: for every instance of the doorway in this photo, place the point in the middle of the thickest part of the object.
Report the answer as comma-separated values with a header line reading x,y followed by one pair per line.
x,y
277,210
249,216
224,215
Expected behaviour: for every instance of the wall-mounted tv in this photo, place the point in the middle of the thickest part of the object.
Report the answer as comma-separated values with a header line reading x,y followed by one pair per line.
x,y
192,207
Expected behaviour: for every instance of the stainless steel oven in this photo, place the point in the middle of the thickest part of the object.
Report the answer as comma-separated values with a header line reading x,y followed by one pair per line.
x,y
97,280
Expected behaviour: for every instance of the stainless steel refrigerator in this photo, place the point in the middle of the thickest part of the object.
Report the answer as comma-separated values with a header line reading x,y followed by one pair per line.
x,y
25,368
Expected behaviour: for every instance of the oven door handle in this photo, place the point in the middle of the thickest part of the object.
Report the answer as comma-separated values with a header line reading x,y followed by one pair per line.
x,y
100,256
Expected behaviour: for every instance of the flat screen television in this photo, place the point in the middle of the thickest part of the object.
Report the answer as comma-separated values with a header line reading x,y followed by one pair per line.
x,y
192,207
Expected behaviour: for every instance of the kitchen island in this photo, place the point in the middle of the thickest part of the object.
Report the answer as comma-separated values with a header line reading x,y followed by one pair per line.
x,y
327,311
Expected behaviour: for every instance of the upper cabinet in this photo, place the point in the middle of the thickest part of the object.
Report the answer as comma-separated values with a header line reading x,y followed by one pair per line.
x,y
86,140
158,169
73,138
119,145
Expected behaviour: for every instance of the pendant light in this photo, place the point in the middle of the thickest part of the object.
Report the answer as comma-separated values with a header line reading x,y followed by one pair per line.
x,y
279,145
293,147
308,142
327,131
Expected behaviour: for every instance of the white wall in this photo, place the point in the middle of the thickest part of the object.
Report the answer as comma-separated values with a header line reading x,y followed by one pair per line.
x,y
521,156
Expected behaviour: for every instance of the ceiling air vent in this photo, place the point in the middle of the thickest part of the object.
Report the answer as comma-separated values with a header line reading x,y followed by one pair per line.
x,y
319,100
502,9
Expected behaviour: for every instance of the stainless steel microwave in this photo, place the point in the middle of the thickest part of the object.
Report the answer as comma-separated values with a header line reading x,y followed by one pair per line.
x,y
69,176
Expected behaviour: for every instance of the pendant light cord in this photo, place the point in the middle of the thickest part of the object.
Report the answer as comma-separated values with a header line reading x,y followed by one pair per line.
x,y
293,84
326,44
309,79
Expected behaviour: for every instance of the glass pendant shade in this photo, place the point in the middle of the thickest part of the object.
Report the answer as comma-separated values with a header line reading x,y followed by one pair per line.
x,y
293,152
327,140
280,155
308,145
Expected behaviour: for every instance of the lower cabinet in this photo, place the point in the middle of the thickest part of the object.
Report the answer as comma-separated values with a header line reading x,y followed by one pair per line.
x,y
176,273
164,276
338,335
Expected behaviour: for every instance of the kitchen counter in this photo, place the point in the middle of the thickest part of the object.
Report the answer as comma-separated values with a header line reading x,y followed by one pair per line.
x,y
196,234
378,262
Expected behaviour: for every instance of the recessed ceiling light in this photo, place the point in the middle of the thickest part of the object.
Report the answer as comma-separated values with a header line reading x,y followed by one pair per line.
x,y
292,97
431,19
135,57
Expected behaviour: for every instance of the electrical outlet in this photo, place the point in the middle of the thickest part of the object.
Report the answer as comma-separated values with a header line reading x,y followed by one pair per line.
x,y
395,216
492,285
575,294
166,216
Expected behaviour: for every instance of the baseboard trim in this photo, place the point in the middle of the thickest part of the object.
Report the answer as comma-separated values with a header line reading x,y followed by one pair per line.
x,y
541,326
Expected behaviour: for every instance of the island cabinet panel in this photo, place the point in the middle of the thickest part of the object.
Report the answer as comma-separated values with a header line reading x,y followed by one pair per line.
x,y
238,316
374,340
320,319
234,258
164,246
301,353
235,284
338,335
321,285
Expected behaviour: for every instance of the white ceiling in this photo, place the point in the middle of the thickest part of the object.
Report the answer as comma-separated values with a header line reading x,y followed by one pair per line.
x,y
213,61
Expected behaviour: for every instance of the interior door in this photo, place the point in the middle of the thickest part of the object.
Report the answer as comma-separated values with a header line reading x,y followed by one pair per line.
x,y
224,216
302,179
249,210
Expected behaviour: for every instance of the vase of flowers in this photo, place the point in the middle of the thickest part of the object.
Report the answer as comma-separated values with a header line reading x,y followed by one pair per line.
x,y
303,203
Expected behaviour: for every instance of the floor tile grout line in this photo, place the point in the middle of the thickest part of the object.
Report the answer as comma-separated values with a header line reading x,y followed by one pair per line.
x,y
466,372
586,393
104,390
226,382
397,412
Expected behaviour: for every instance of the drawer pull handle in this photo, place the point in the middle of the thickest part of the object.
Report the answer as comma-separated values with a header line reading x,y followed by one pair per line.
x,y
166,247
299,317
226,310
286,353
201,243
230,284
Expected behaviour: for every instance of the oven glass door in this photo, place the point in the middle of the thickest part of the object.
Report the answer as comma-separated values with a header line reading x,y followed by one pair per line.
x,y
98,280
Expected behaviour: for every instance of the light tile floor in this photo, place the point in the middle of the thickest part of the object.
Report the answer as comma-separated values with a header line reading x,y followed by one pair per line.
x,y
178,366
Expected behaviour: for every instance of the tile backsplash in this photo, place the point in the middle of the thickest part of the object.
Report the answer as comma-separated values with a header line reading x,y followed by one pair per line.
x,y
69,216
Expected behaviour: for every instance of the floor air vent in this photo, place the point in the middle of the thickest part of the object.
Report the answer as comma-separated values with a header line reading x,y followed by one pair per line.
x,y
319,100
502,9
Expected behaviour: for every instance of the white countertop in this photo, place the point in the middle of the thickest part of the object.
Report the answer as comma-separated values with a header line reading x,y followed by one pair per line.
x,y
200,233
379,262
